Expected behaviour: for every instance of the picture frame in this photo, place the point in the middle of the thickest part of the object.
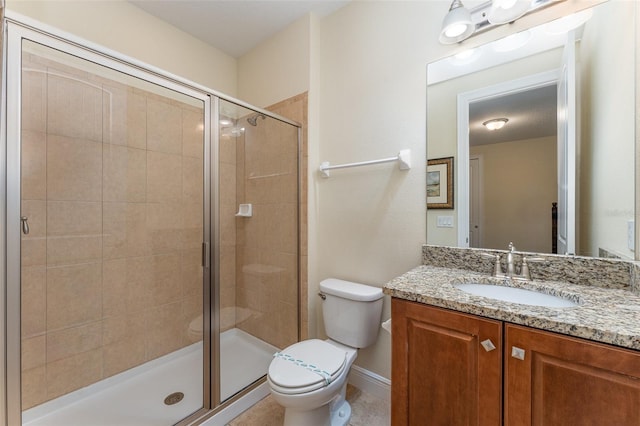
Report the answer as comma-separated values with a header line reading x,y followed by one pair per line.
x,y
440,183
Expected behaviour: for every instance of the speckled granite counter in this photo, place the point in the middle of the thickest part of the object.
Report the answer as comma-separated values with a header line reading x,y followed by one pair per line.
x,y
608,315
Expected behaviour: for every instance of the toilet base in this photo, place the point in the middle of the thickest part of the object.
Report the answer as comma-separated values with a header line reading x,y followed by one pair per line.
x,y
327,415
336,413
341,414
318,417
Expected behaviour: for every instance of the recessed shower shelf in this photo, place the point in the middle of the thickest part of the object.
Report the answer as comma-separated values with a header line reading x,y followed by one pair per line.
x,y
245,210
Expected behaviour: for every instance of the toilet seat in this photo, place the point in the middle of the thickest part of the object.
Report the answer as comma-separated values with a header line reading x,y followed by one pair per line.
x,y
291,371
196,325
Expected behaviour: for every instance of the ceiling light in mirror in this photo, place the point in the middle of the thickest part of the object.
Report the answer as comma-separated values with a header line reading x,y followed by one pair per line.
x,y
495,123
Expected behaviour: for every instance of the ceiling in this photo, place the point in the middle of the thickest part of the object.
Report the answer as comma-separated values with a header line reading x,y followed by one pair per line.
x,y
235,26
531,113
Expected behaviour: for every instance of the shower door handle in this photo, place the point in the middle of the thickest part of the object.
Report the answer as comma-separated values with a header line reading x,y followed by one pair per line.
x,y
24,220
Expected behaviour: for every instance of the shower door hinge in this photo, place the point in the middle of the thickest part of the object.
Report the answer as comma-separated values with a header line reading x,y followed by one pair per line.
x,y
205,255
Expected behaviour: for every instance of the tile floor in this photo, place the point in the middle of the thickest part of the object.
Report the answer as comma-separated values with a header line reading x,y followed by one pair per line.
x,y
367,410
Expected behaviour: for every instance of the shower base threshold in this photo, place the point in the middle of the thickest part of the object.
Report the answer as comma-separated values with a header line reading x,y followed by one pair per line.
x,y
136,397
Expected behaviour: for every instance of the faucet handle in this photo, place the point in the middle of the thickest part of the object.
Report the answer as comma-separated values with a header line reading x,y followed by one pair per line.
x,y
524,271
497,270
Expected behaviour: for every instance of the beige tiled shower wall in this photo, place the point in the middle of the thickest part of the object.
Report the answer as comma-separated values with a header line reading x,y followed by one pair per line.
x,y
228,209
296,109
112,184
267,293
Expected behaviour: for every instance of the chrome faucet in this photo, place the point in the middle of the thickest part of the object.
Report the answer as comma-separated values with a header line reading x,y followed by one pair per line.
x,y
510,268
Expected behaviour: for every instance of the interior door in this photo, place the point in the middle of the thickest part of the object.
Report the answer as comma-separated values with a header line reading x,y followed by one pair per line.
x,y
475,211
567,136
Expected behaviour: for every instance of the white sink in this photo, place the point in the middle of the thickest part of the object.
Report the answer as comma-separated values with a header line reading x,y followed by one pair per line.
x,y
516,295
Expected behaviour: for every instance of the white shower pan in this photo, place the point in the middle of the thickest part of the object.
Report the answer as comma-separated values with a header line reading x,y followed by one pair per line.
x,y
136,396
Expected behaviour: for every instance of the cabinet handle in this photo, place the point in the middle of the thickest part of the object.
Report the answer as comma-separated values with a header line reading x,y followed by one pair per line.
x,y
488,345
517,353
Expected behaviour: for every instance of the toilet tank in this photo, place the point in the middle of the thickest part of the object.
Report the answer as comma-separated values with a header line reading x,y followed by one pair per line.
x,y
351,312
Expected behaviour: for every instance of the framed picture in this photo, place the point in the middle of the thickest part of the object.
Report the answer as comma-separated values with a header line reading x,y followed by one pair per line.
x,y
440,183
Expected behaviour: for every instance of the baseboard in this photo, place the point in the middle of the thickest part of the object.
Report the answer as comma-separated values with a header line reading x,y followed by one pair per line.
x,y
370,382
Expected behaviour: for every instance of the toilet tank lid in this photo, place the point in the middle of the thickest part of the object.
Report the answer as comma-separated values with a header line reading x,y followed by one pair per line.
x,y
350,290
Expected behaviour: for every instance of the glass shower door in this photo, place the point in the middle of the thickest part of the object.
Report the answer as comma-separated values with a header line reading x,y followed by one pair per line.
x,y
258,243
112,224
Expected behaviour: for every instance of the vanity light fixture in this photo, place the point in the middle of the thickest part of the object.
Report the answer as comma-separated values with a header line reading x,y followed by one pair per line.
x,y
505,11
457,24
461,23
495,123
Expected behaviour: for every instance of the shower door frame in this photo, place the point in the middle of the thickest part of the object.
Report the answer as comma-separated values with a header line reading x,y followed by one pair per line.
x,y
15,31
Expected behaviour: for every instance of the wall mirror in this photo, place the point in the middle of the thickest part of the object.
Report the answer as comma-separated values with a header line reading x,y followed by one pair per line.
x,y
558,177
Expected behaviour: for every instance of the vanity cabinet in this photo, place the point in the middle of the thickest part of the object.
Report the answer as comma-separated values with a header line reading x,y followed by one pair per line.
x,y
564,380
441,374
445,373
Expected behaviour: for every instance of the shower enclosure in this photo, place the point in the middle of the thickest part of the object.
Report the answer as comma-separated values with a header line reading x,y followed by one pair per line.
x,y
151,240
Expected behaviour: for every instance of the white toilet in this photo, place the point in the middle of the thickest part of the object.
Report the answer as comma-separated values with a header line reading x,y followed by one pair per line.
x,y
309,378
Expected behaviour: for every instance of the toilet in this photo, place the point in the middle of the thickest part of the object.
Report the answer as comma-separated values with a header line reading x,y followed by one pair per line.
x,y
194,332
309,378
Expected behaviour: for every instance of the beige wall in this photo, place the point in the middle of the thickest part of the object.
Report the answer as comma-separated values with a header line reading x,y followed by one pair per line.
x,y
283,61
124,28
519,183
372,83
608,129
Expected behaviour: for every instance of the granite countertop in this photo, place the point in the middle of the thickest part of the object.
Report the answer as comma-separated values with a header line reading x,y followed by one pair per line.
x,y
603,314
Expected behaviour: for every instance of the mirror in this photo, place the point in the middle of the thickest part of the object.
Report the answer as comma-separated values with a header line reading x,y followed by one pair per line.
x,y
506,181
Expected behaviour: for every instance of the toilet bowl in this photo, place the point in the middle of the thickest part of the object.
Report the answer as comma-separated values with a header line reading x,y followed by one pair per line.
x,y
195,329
309,378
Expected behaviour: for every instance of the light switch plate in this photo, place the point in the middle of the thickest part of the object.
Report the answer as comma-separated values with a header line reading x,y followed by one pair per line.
x,y
445,222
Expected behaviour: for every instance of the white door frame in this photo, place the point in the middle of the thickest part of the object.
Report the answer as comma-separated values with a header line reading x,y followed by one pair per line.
x,y
479,195
464,99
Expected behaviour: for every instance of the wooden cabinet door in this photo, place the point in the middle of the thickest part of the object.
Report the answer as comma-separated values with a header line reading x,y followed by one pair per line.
x,y
568,381
441,373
